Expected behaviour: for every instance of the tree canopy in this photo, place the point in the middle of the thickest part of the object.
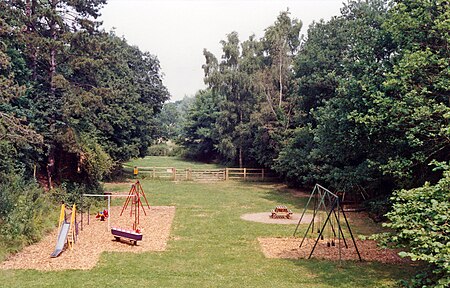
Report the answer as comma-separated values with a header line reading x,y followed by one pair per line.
x,y
76,100
357,103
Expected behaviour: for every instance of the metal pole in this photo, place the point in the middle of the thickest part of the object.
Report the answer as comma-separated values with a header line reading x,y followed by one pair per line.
x,y
321,231
304,210
340,228
339,233
310,224
109,212
351,234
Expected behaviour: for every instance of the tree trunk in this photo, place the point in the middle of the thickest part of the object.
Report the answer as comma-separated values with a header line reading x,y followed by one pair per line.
x,y
30,12
241,116
241,162
52,69
50,167
281,82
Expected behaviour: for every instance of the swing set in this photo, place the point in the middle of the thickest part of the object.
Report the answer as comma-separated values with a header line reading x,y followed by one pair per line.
x,y
326,220
135,202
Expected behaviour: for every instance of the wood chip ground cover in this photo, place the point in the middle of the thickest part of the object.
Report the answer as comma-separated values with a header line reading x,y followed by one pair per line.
x,y
95,239
288,248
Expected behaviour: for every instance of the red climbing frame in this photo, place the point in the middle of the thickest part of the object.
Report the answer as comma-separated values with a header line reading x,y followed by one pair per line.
x,y
135,194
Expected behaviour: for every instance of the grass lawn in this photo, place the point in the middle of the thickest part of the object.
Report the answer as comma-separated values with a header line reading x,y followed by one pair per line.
x,y
210,246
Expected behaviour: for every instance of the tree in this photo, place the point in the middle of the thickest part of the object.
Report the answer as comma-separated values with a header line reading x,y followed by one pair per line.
x,y
338,68
92,96
234,86
411,112
280,42
18,140
200,136
275,86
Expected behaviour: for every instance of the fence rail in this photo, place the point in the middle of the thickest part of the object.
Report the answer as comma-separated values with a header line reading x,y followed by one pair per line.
x,y
222,174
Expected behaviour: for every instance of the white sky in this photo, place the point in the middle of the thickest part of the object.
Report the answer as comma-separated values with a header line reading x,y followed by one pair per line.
x,y
176,31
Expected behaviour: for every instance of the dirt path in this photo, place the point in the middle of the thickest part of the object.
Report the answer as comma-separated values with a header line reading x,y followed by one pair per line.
x,y
95,239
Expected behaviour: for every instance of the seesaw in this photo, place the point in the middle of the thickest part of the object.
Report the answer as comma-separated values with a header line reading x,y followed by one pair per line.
x,y
131,235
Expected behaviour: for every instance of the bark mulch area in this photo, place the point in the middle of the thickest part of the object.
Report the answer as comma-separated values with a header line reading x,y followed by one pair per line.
x,y
288,248
95,239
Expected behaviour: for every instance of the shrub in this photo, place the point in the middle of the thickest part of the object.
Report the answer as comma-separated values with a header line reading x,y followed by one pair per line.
x,y
71,193
420,219
164,149
23,212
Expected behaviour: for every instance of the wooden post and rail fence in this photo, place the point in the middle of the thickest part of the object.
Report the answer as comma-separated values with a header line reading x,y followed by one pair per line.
x,y
220,174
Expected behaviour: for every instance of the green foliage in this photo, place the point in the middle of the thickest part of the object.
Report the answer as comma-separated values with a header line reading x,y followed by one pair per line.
x,y
120,91
200,135
171,119
72,193
249,92
359,104
294,160
420,220
410,114
164,149
87,95
336,73
378,208
94,160
24,212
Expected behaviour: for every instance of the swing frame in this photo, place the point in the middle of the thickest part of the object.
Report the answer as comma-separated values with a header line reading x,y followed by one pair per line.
x,y
331,203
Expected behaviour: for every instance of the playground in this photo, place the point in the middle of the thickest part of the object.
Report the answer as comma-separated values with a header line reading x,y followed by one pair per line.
x,y
195,234
94,240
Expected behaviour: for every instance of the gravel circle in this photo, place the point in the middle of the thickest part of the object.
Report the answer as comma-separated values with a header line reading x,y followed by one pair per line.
x,y
264,217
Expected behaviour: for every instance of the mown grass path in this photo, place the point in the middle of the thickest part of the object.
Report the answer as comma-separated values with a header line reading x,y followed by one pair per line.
x,y
210,246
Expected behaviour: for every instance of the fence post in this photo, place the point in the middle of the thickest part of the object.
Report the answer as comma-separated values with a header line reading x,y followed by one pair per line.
x,y
226,174
262,174
154,172
174,172
245,174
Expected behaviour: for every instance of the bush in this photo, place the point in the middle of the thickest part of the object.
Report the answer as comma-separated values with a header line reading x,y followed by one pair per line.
x,y
420,219
71,193
164,149
24,213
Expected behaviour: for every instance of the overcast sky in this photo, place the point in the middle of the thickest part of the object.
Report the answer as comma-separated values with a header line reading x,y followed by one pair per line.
x,y
176,31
